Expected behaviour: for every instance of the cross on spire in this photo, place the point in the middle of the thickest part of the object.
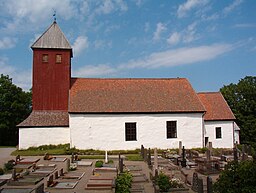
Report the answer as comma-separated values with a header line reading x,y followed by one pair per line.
x,y
54,15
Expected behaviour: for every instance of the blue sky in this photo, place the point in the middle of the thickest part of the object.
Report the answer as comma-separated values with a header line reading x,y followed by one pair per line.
x,y
210,42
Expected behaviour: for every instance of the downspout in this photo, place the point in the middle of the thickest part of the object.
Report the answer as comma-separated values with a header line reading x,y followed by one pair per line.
x,y
203,130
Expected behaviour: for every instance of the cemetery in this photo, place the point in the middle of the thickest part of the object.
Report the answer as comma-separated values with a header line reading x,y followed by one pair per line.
x,y
174,170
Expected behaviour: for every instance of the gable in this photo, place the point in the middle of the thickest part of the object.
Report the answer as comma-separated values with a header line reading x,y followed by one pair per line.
x,y
133,96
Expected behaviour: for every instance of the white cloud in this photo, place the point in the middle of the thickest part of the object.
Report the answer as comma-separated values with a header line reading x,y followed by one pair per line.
x,y
101,44
95,70
80,44
232,6
160,27
24,13
174,38
190,33
21,78
181,56
7,42
189,5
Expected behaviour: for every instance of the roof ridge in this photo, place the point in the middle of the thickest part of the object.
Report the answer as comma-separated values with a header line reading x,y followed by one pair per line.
x,y
130,78
209,92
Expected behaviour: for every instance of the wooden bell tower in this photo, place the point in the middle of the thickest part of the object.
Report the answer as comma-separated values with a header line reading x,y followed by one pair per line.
x,y
52,55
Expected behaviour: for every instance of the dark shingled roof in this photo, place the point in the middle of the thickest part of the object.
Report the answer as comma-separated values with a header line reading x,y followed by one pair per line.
x,y
53,37
45,119
216,107
133,96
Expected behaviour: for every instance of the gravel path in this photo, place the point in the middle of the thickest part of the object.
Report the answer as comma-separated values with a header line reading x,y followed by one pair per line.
x,y
5,155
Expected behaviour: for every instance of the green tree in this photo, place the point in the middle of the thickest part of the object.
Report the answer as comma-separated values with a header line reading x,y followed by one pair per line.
x,y
15,106
241,98
237,177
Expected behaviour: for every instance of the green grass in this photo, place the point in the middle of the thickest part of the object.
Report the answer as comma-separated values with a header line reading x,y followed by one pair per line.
x,y
134,157
38,152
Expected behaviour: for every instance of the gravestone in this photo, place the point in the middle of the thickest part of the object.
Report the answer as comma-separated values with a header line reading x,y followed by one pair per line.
x,y
180,148
61,173
50,181
235,154
76,157
149,157
155,161
195,182
145,154
200,186
183,161
209,185
14,176
142,151
210,148
121,165
208,155
72,158
106,157
40,188
17,158
67,164
56,175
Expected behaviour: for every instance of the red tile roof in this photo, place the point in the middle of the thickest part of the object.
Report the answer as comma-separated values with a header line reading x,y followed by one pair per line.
x,y
133,96
216,106
46,119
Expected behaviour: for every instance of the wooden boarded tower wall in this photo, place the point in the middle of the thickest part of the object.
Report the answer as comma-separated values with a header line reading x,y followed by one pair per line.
x,y
52,55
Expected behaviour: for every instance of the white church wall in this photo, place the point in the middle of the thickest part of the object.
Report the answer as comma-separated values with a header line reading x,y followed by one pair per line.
x,y
36,136
107,132
227,133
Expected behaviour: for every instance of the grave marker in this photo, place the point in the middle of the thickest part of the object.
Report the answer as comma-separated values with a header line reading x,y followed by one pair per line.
x,y
180,148
40,188
183,162
155,161
14,176
149,157
106,157
72,158
61,173
142,151
209,185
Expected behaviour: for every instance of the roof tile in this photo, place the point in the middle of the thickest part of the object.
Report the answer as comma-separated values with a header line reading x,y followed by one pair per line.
x,y
133,96
216,106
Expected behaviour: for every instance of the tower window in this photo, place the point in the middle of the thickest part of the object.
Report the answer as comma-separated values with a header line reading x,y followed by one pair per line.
x,y
45,58
58,58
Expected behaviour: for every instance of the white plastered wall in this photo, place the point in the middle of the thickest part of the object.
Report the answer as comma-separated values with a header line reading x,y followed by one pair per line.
x,y
36,136
227,133
107,132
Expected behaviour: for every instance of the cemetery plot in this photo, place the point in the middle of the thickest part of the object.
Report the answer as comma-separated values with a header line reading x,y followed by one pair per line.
x,y
73,175
25,181
101,183
58,159
28,161
132,168
66,185
84,163
17,190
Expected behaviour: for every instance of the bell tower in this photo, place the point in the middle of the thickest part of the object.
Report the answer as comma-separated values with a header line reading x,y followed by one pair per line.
x,y
52,55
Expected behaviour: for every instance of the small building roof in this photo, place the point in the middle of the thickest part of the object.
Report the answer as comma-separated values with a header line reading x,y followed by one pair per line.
x,y
46,119
133,96
53,38
216,106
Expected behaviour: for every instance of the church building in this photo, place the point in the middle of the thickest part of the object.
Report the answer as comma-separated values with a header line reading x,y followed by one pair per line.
x,y
117,113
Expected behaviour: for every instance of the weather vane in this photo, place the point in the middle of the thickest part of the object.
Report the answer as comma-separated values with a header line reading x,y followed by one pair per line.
x,y
54,15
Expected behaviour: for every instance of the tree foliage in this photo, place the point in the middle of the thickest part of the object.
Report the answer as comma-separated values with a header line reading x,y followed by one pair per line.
x,y
237,177
241,98
15,106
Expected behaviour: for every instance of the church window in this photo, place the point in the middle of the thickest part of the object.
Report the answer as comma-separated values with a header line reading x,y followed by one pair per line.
x,y
130,132
45,58
218,132
171,128
58,58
